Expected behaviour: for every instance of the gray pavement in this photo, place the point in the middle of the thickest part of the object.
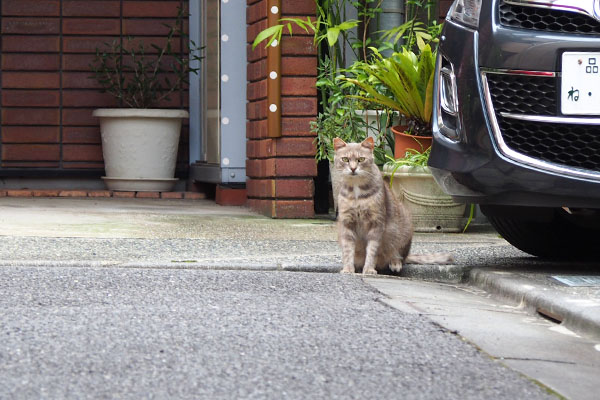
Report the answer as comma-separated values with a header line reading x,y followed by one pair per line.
x,y
537,347
156,333
201,235
93,290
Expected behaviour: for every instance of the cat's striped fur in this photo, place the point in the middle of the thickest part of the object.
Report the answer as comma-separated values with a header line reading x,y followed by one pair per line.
x,y
374,229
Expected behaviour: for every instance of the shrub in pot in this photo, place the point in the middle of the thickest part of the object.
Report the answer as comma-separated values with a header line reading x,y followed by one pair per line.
x,y
402,82
139,141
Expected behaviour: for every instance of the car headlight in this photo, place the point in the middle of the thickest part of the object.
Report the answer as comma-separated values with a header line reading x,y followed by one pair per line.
x,y
447,111
465,12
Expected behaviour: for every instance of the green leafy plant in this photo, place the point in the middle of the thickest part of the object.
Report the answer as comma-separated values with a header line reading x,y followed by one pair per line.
x,y
470,218
342,122
330,26
368,11
333,33
346,124
413,158
402,82
338,117
141,80
421,26
343,116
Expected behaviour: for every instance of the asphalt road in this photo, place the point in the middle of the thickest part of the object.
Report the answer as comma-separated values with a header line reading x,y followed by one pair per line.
x,y
164,333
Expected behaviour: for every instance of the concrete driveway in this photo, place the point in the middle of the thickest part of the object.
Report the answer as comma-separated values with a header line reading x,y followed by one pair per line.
x,y
146,298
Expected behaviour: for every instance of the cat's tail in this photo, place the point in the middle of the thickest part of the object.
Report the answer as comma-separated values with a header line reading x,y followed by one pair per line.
x,y
435,258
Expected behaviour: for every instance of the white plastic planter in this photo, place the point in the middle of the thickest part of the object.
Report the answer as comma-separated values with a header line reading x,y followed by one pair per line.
x,y
432,210
140,147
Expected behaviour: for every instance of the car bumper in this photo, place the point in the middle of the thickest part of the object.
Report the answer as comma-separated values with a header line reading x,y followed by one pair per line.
x,y
475,167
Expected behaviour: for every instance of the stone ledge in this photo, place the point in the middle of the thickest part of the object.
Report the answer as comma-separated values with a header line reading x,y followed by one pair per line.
x,y
25,193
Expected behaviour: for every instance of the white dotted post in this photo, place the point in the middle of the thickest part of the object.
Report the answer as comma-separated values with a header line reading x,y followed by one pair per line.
x,y
274,73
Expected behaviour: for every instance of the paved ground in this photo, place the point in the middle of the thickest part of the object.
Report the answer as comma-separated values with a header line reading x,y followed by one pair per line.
x,y
180,297
137,333
535,346
201,235
198,234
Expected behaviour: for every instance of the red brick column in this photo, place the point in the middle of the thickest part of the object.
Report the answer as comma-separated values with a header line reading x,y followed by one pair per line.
x,y
280,170
444,6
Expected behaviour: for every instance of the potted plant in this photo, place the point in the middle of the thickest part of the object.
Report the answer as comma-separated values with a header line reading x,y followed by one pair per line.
x,y
402,82
139,141
411,181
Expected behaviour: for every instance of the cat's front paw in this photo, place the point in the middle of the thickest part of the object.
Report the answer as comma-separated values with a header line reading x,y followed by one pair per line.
x,y
396,266
369,271
347,270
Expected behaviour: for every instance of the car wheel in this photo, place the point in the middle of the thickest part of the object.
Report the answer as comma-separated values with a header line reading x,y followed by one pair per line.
x,y
555,235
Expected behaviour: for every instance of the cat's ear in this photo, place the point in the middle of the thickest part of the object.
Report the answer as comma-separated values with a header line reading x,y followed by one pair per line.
x,y
369,143
338,143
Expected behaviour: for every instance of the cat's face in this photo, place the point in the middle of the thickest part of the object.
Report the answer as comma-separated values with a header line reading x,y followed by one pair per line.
x,y
354,160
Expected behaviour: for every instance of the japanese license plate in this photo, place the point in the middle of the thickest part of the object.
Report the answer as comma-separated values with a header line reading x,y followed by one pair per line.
x,y
580,87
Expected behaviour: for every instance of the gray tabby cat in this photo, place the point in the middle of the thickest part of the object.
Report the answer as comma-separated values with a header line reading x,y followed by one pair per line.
x,y
374,229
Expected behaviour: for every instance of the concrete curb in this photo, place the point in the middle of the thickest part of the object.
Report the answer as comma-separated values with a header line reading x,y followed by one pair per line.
x,y
177,265
436,273
577,314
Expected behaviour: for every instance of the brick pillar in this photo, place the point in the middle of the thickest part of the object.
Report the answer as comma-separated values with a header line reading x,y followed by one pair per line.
x,y
281,170
444,5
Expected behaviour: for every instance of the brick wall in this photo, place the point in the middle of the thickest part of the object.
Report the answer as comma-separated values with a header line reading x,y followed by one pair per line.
x,y
281,170
444,6
46,93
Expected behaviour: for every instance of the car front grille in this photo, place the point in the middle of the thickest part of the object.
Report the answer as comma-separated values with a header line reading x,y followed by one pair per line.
x,y
547,20
575,146
523,94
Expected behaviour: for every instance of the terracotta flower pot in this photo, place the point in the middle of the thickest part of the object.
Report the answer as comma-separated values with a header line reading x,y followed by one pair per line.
x,y
404,141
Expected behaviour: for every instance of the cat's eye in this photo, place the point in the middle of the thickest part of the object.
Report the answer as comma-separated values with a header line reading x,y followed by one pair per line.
x,y
361,159
345,159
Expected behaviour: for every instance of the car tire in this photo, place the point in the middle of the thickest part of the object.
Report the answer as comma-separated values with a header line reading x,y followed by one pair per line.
x,y
557,238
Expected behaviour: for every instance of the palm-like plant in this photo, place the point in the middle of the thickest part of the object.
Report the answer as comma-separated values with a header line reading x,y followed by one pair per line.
x,y
402,82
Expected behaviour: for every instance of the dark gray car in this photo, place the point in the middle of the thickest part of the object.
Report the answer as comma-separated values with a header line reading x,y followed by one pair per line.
x,y
517,119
